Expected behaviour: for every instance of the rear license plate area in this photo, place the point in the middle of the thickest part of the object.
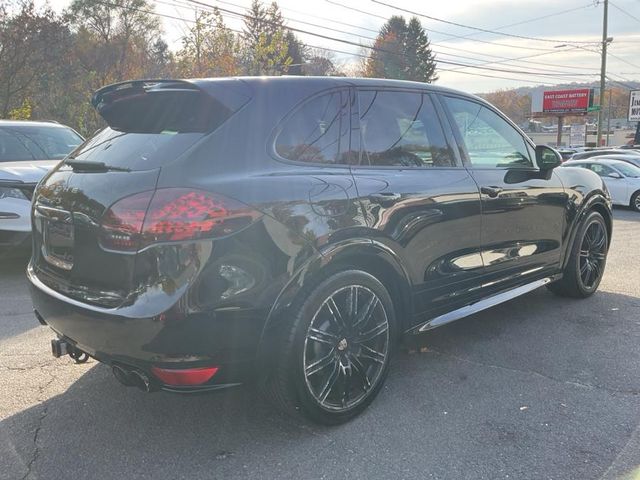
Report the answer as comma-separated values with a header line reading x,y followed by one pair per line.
x,y
58,237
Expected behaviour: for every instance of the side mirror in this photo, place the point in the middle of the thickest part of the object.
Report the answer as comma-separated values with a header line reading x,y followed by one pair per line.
x,y
615,175
547,158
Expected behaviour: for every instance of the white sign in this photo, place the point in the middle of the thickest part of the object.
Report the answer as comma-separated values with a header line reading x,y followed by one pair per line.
x,y
578,133
634,106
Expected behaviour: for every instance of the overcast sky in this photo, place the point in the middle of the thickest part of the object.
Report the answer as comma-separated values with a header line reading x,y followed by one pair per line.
x,y
569,25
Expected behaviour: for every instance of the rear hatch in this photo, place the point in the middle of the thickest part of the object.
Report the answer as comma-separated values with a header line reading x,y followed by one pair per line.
x,y
79,246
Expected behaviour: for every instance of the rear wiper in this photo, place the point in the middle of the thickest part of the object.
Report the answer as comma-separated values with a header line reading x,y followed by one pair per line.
x,y
88,166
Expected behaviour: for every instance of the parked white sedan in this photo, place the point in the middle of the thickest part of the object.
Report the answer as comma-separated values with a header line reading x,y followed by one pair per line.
x,y
621,178
28,150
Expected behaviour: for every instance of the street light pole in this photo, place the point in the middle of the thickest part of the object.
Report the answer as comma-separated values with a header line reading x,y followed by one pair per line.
x,y
603,71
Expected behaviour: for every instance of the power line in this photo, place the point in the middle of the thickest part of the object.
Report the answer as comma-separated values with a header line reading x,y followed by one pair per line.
x,y
518,59
173,17
338,51
623,60
484,30
451,35
309,15
349,42
538,70
562,12
624,11
620,83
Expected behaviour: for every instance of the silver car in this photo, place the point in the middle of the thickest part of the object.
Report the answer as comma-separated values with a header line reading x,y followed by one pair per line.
x,y
27,151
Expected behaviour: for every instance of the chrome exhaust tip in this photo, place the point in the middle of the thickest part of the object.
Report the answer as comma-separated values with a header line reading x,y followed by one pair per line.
x,y
141,380
123,376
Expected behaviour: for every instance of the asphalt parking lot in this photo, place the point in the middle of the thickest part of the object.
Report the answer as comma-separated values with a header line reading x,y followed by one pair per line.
x,y
537,388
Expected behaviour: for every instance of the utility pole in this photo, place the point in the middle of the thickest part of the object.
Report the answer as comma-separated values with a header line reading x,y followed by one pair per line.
x,y
603,71
609,118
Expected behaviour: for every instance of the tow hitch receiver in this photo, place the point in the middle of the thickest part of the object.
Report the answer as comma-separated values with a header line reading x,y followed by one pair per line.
x,y
60,348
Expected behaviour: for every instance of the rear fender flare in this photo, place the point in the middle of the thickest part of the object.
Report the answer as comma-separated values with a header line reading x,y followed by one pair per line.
x,y
596,201
336,256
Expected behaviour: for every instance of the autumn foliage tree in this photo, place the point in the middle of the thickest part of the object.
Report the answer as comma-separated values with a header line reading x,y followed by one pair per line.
x,y
210,48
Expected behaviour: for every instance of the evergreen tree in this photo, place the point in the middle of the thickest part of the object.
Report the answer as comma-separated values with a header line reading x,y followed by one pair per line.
x,y
265,41
298,52
421,62
402,51
254,25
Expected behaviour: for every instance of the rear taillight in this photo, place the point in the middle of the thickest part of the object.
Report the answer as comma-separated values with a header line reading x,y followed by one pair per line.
x,y
184,377
171,215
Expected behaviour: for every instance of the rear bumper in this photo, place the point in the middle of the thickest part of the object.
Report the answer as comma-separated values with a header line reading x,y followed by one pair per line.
x,y
228,340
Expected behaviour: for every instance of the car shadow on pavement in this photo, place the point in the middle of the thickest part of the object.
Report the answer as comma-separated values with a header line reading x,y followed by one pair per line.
x,y
505,390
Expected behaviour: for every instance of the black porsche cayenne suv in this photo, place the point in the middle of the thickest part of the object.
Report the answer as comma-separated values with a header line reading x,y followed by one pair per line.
x,y
290,230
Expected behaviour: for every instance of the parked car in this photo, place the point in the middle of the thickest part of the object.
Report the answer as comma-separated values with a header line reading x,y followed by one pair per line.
x,y
289,231
632,159
603,151
622,179
567,153
27,151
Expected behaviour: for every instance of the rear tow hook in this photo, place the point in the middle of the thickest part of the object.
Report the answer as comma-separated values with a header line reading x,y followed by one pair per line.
x,y
60,348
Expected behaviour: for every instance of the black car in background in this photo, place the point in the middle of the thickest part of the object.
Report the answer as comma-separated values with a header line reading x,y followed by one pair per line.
x,y
290,230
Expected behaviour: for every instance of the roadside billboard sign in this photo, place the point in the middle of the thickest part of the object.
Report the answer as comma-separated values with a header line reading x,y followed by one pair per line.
x,y
634,106
576,101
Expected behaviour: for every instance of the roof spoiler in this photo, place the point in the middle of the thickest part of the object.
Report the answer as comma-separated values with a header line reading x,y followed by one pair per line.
x,y
232,93
116,91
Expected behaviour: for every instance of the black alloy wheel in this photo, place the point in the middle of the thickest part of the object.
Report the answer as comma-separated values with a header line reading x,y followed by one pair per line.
x,y
332,359
346,347
593,254
587,258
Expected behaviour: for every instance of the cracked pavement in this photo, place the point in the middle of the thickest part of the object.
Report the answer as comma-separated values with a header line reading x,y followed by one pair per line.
x,y
538,388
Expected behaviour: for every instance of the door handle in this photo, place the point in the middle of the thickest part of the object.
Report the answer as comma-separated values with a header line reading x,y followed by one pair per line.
x,y
492,191
385,196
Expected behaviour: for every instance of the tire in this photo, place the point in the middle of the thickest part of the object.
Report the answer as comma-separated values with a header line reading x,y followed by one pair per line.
x,y
588,257
331,363
635,201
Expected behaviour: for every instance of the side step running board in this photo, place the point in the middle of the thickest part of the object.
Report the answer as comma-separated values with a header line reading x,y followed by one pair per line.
x,y
478,306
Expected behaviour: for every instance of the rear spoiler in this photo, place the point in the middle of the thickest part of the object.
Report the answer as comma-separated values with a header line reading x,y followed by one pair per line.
x,y
230,92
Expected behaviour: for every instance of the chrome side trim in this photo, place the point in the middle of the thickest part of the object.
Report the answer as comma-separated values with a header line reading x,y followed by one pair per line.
x,y
479,306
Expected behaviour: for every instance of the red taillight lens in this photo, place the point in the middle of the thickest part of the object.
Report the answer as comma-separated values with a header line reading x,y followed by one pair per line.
x,y
122,224
187,376
171,215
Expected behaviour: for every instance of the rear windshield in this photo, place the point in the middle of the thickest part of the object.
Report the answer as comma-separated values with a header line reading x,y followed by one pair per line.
x,y
149,128
28,142
137,151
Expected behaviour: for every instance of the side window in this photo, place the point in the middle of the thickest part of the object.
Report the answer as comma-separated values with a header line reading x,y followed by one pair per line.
x,y
490,140
401,129
318,132
601,170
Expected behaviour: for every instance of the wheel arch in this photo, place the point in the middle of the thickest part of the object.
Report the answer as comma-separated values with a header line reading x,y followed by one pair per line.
x,y
595,203
633,194
367,255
